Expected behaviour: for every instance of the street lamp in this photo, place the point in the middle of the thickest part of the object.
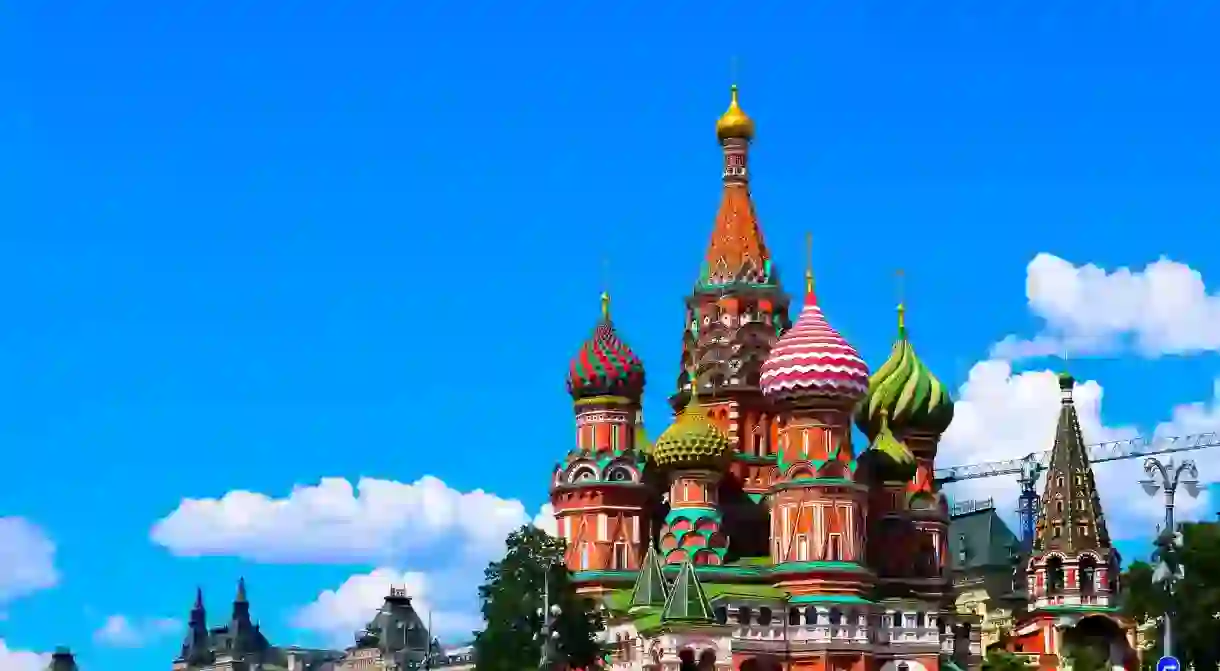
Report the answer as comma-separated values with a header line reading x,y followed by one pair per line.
x,y
549,613
1168,570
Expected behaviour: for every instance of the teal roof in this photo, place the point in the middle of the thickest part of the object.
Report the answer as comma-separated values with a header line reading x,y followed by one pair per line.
x,y
687,603
986,539
651,589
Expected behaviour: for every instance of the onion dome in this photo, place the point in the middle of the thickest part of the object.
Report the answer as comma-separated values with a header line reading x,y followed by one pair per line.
x,y
692,441
904,387
605,365
888,459
734,123
813,360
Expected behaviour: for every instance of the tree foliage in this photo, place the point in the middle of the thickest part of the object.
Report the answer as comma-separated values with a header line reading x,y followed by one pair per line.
x,y
511,597
1194,603
999,659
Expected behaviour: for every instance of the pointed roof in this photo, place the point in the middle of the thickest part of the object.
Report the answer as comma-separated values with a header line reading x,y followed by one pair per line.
x,y
651,589
241,591
737,252
687,603
198,598
1070,519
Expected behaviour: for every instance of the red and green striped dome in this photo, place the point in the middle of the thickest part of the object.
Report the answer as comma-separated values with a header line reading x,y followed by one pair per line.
x,y
605,365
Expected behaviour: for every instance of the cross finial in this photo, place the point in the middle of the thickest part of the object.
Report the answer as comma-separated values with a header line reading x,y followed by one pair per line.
x,y
900,281
605,288
809,264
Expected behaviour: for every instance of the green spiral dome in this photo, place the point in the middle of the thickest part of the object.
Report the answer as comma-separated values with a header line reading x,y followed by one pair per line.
x,y
914,398
889,459
692,441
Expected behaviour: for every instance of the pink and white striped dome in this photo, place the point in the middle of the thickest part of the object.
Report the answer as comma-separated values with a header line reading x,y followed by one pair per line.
x,y
813,360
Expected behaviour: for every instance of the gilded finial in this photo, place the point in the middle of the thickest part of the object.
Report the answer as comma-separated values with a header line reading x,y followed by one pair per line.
x,y
606,305
734,123
902,307
809,264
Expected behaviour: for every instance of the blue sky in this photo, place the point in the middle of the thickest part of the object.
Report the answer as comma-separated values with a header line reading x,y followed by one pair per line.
x,y
248,246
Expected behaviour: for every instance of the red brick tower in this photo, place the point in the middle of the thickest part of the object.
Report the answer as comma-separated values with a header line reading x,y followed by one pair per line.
x,y
735,313
600,498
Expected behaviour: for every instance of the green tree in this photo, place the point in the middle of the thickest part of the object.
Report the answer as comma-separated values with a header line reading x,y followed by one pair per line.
x,y
511,597
1088,658
1194,604
999,659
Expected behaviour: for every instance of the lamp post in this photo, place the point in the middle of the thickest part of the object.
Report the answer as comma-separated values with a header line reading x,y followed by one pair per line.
x,y
550,615
1168,570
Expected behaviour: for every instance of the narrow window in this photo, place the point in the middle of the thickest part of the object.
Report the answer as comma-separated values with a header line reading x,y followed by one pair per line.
x,y
621,562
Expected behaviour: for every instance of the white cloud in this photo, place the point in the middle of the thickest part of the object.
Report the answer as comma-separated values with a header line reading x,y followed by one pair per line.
x,y
545,519
27,559
1163,309
339,613
1002,415
21,660
120,631
375,521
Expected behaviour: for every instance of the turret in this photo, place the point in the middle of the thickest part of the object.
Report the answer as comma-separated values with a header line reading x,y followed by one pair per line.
x,y
62,660
195,644
693,453
1073,560
601,501
815,376
735,313
914,407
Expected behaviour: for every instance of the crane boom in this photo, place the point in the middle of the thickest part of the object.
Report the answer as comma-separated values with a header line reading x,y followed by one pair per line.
x,y
1098,453
1028,468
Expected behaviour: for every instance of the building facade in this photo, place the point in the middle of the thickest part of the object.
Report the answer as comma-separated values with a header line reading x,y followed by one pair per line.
x,y
752,534
239,644
988,578
1072,572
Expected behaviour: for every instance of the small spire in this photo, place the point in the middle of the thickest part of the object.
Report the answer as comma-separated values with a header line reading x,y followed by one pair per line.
x,y
902,307
606,306
199,598
241,591
808,265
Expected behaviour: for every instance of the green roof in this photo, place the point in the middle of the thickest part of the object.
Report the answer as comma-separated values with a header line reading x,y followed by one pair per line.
x,y
986,539
651,588
687,602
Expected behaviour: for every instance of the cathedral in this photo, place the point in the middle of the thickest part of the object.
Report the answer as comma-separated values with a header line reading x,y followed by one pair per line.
x,y
752,534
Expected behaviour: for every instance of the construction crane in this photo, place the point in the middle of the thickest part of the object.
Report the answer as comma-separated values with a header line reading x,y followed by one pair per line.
x,y
1028,468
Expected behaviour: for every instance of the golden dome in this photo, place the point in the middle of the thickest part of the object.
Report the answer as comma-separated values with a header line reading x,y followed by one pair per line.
x,y
692,441
734,122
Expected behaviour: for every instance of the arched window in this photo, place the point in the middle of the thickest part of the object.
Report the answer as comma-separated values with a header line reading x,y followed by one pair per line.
x,y
722,614
836,616
811,615
743,615
794,616
896,619
1054,574
1088,573
764,615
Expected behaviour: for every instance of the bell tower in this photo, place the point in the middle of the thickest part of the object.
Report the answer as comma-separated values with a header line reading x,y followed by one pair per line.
x,y
735,313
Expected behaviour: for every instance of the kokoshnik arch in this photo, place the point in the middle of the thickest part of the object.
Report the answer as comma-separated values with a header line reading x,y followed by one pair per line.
x,y
751,534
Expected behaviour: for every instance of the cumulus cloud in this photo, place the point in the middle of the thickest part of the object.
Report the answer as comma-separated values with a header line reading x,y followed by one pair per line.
x,y
21,660
1163,309
339,613
375,521
120,631
27,559
545,519
1004,415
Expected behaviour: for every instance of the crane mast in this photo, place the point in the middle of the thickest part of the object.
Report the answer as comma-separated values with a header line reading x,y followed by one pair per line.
x,y
1030,467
